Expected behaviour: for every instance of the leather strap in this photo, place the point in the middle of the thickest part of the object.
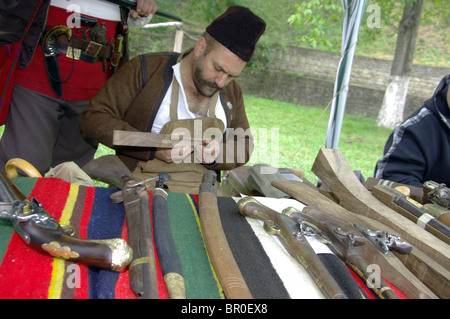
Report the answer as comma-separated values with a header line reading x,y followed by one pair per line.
x,y
86,46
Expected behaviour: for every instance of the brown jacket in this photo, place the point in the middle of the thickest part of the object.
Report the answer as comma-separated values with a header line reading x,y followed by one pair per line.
x,y
131,98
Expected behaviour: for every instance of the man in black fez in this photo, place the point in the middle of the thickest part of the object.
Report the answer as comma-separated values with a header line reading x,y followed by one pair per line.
x,y
193,94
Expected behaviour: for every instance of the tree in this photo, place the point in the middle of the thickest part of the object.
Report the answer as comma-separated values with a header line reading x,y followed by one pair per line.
x,y
391,112
314,16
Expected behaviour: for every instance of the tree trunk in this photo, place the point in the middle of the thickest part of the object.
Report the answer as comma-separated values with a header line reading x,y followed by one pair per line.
x,y
391,113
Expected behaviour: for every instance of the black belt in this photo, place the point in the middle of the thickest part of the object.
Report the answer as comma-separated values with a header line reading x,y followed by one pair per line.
x,y
60,39
77,54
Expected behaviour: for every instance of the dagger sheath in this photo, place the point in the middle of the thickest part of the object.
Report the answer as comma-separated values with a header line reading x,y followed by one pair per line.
x,y
223,261
165,246
110,169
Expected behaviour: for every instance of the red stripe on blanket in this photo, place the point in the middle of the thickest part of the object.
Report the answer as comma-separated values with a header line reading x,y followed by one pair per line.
x,y
369,294
122,289
33,280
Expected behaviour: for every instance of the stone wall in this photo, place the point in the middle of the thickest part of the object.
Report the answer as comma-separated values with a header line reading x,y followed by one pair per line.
x,y
307,77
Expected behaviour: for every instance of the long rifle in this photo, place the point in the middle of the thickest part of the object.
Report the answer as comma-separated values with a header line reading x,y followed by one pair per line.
x,y
42,232
334,170
110,169
412,210
296,243
399,269
433,197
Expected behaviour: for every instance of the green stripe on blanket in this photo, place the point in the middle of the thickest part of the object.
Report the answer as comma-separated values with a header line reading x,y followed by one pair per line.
x,y
200,279
6,229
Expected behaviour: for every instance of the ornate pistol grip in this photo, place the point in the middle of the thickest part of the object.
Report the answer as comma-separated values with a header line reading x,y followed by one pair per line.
x,y
113,254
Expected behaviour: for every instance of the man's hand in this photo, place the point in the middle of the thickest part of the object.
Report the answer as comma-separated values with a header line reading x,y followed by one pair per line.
x,y
144,8
173,155
207,152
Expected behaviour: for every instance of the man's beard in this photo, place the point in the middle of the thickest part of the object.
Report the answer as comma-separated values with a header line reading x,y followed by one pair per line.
x,y
205,87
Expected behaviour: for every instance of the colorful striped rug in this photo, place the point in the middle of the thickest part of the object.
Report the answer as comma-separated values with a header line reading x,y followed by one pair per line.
x,y
25,273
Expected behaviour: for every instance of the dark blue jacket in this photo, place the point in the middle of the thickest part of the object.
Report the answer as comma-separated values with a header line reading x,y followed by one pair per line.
x,y
418,150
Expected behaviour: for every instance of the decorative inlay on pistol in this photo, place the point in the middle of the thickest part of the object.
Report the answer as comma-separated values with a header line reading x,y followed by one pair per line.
x,y
42,232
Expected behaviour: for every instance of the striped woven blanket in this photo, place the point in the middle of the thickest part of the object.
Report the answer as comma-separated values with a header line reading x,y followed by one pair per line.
x,y
25,273
269,271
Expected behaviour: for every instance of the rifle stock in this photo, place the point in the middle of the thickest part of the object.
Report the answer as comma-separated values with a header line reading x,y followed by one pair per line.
x,y
412,273
42,232
299,248
334,170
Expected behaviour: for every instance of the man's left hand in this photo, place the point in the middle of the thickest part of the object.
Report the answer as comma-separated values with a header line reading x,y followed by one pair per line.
x,y
207,152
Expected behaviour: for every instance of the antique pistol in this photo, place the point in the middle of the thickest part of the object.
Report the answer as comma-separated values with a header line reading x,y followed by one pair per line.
x,y
295,241
42,232
342,243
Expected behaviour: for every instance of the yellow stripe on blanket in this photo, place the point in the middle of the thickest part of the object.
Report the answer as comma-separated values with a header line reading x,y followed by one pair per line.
x,y
58,272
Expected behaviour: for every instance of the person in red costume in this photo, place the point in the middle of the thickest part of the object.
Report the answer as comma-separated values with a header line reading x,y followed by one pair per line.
x,y
67,56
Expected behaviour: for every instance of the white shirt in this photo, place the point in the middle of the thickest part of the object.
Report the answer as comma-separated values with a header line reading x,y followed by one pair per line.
x,y
163,115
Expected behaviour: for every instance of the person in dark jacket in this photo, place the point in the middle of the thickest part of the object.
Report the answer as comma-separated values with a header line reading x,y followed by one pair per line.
x,y
418,150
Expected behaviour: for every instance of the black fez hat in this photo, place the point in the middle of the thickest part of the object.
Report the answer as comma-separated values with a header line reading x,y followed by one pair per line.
x,y
238,29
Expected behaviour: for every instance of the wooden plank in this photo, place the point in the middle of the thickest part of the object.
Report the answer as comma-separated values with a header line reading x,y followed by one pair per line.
x,y
334,170
147,139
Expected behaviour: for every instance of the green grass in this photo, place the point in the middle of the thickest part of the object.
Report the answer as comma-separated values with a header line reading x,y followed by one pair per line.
x,y
301,133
